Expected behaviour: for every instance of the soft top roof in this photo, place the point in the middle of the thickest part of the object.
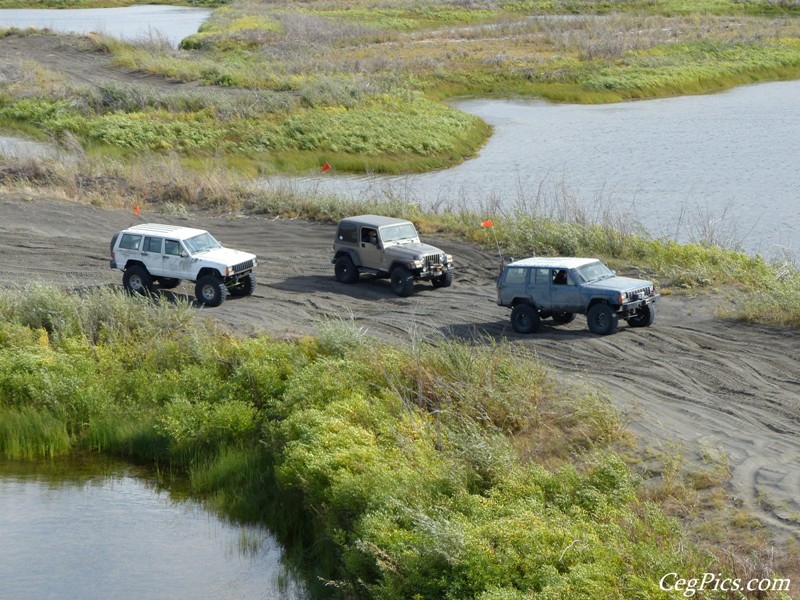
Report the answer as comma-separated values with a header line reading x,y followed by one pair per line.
x,y
173,231
554,262
374,220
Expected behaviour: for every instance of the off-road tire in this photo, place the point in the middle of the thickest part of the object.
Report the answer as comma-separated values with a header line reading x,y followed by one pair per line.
x,y
643,318
525,318
402,281
137,280
168,283
443,281
246,286
562,318
345,269
210,290
602,319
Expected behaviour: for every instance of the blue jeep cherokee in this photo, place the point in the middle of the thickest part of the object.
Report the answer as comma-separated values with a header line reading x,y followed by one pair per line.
x,y
559,288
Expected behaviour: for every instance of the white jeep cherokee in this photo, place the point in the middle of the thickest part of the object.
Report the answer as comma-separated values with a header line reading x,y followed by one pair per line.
x,y
166,254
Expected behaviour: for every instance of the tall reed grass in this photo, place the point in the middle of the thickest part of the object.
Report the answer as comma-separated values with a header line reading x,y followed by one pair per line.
x,y
30,433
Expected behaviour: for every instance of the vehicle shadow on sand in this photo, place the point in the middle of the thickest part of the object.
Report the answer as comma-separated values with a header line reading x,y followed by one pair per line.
x,y
501,331
171,296
366,288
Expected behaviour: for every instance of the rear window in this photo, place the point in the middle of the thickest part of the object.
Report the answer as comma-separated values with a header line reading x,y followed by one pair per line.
x,y
348,232
515,275
130,241
152,245
542,276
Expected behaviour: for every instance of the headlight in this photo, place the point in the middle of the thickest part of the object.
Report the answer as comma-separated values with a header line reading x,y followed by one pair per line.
x,y
623,297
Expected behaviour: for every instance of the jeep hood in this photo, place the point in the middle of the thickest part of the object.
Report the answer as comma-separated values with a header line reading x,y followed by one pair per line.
x,y
618,284
410,251
225,256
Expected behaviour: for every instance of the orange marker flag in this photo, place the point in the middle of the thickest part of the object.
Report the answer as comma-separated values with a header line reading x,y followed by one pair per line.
x,y
136,210
325,167
487,223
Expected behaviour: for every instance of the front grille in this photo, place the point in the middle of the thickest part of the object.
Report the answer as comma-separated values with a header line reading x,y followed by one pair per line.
x,y
433,261
639,294
245,266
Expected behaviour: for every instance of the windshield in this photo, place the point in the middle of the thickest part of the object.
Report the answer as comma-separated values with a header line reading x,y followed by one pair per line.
x,y
594,272
397,233
202,243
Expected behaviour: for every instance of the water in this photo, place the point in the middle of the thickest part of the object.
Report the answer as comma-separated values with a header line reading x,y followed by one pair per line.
x,y
720,167
131,23
68,534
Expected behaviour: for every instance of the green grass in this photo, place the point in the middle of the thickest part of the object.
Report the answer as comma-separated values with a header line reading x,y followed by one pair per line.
x,y
30,433
330,81
382,133
402,479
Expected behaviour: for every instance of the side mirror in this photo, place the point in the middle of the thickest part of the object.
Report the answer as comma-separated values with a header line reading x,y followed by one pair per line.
x,y
184,254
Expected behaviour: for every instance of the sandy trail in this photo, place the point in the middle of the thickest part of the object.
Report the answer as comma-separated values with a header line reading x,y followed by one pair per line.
x,y
707,382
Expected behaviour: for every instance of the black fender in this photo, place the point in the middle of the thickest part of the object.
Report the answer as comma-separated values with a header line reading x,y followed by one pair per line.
x,y
346,252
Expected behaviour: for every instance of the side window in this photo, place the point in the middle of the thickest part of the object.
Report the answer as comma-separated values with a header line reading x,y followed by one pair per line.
x,y
562,277
559,277
515,275
152,244
130,241
348,232
369,235
172,247
542,277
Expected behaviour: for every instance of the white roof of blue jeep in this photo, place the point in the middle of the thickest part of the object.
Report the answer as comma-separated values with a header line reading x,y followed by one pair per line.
x,y
553,262
173,231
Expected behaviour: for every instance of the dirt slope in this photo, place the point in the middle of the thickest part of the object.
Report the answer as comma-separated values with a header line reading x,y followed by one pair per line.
x,y
690,377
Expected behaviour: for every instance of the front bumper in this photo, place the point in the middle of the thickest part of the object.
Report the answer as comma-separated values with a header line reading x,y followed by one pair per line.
x,y
434,271
631,307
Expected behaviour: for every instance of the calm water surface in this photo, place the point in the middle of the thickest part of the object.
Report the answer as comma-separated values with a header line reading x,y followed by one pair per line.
x,y
722,166
131,23
116,535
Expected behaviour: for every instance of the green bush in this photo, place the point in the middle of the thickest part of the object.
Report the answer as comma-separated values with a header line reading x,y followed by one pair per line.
x,y
398,470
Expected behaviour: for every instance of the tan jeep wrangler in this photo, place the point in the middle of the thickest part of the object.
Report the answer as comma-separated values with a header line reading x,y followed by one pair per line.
x,y
387,247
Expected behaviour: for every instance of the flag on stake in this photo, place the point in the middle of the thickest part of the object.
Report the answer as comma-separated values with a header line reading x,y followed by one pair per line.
x,y
136,210
325,167
488,223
